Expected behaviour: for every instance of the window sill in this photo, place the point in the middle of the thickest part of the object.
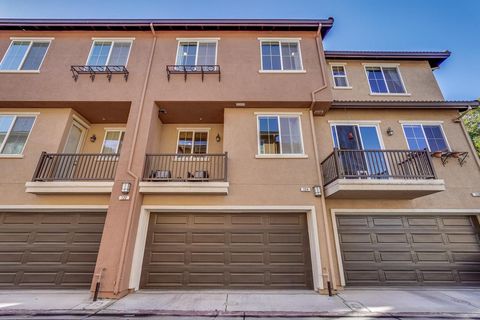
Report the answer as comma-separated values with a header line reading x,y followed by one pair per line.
x,y
342,88
19,71
281,156
11,156
282,71
391,94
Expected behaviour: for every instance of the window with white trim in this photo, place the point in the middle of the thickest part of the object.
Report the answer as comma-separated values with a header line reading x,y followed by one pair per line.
x,y
192,142
386,80
280,134
113,141
14,132
339,76
109,53
201,52
425,136
24,55
281,55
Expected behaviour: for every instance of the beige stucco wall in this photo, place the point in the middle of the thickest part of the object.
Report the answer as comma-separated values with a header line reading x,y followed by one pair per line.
x,y
99,130
417,76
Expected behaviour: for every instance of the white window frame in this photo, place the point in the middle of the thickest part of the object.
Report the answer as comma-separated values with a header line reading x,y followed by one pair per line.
x,y
421,124
278,116
280,41
15,116
344,65
193,130
107,130
381,66
31,40
359,124
112,40
198,41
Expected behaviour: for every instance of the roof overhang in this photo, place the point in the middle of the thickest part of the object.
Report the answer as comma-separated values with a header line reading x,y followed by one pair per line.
x,y
168,24
434,58
458,105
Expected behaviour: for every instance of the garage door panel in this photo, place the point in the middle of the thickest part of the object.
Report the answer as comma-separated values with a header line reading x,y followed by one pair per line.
x,y
221,250
54,250
426,250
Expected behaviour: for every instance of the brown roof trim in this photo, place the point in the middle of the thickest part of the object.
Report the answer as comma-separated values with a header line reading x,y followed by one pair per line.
x,y
458,105
435,58
168,24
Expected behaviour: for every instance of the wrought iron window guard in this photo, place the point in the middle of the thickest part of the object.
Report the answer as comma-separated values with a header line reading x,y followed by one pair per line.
x,y
193,69
445,155
94,70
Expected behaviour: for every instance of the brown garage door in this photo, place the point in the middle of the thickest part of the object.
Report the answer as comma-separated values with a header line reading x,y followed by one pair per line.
x,y
49,250
220,250
380,250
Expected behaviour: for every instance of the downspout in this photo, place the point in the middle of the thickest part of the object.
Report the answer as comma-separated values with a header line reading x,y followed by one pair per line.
x,y
130,164
321,58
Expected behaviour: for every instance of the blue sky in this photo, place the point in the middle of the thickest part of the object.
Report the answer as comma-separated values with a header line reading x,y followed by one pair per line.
x,y
359,24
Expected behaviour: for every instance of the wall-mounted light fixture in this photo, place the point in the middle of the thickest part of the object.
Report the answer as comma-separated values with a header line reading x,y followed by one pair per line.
x,y
93,138
126,187
317,191
218,138
390,131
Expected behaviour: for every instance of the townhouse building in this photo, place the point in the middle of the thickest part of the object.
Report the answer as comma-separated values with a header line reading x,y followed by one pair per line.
x,y
173,154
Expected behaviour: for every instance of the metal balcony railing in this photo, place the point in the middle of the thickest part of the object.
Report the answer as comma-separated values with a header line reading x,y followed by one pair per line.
x,y
94,70
377,164
193,69
185,167
76,167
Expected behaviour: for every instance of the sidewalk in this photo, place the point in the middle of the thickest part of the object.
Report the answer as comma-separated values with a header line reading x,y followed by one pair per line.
x,y
357,303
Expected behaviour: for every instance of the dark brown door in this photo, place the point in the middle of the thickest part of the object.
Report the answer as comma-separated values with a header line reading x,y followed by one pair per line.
x,y
387,250
227,250
49,250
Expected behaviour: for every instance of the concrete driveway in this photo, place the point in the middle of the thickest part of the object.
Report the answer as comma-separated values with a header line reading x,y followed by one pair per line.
x,y
362,303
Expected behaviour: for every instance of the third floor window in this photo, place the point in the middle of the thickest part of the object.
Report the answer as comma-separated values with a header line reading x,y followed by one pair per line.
x,y
384,80
281,55
109,52
25,55
197,52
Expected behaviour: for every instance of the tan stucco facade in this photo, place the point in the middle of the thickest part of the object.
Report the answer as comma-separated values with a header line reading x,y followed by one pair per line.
x,y
255,182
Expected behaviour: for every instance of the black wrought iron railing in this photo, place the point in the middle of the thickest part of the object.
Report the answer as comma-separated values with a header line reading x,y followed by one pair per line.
x,y
94,70
75,167
377,164
193,69
185,167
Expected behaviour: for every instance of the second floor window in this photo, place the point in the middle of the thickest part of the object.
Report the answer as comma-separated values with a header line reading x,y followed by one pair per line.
x,y
113,141
386,80
192,142
423,136
109,52
281,55
279,135
25,55
14,131
339,76
194,53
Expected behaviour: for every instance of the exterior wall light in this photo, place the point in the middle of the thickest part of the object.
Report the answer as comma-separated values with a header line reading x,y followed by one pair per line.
x,y
126,187
93,138
317,191
218,138
390,131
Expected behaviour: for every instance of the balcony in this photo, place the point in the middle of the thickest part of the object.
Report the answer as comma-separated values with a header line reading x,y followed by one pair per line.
x,y
73,173
181,173
377,174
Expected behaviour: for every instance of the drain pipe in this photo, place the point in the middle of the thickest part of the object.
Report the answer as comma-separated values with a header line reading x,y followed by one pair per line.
x,y
97,285
130,163
321,59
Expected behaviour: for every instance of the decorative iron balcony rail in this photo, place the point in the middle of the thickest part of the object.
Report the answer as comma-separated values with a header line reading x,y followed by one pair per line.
x,y
193,69
76,167
377,164
94,70
185,167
